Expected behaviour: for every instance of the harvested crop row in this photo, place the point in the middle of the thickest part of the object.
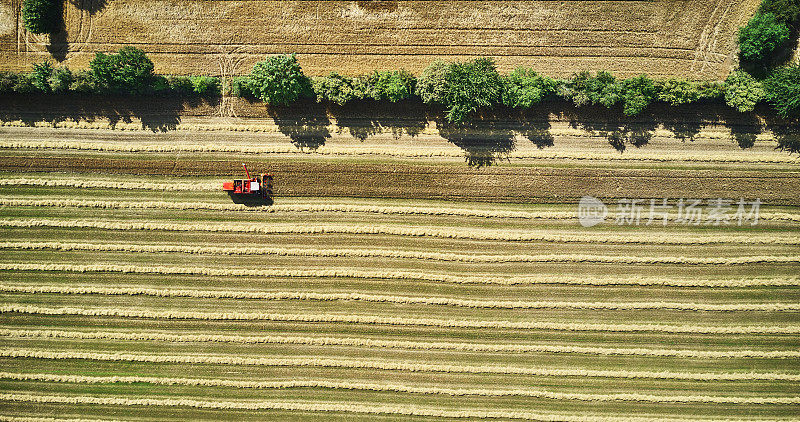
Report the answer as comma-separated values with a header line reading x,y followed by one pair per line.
x,y
460,212
387,365
468,234
403,275
401,388
397,152
425,345
404,410
399,321
442,301
379,253
110,184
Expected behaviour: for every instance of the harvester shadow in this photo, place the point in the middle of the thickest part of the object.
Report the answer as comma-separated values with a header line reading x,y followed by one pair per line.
x,y
305,122
251,200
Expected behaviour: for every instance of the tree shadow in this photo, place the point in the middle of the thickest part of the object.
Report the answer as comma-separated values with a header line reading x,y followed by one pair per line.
x,y
745,129
681,128
483,141
58,45
786,132
534,124
366,118
158,114
304,122
612,124
91,6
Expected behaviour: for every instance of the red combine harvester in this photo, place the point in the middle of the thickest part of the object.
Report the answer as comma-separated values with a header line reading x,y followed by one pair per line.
x,y
252,186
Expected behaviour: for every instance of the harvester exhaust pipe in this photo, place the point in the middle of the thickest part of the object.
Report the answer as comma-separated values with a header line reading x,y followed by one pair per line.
x,y
245,171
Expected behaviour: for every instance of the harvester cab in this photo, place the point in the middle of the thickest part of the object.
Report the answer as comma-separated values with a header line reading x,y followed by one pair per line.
x,y
252,186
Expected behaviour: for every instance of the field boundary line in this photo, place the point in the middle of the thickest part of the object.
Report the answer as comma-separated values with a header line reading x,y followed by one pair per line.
x,y
407,300
403,388
399,275
400,344
399,321
405,231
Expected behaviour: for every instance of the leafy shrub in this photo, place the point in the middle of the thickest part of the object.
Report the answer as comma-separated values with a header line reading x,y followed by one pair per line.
x,y
129,71
782,89
7,81
462,87
523,88
600,89
279,80
637,94
60,80
41,76
390,85
241,86
84,82
180,85
743,91
205,85
761,37
42,16
678,92
338,89
432,83
785,11
16,82
710,90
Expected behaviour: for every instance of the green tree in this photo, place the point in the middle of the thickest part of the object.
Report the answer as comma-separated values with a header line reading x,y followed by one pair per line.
x,y
602,88
432,83
782,90
129,71
785,11
390,85
61,79
743,91
761,37
523,88
637,94
678,92
41,76
338,89
42,16
462,87
279,80
206,85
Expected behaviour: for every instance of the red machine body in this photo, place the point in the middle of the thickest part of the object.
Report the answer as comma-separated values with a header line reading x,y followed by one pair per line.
x,y
259,185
